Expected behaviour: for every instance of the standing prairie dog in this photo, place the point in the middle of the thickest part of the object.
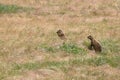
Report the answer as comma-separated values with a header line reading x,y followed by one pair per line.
x,y
94,44
61,35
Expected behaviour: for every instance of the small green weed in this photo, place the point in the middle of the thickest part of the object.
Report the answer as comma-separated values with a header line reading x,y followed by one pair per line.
x,y
37,65
72,48
47,48
110,46
98,61
19,68
11,8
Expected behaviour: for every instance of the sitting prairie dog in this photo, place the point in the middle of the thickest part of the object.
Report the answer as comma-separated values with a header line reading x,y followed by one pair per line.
x,y
94,44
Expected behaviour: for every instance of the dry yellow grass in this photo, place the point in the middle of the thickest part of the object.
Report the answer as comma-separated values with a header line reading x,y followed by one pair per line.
x,y
30,48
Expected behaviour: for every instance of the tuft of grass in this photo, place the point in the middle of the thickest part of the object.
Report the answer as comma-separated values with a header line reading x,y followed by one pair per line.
x,y
113,61
67,47
12,8
37,65
72,48
19,68
2,75
47,48
110,46
86,43
98,61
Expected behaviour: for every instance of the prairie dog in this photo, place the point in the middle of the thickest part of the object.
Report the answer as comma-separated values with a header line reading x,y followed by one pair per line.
x,y
61,35
94,44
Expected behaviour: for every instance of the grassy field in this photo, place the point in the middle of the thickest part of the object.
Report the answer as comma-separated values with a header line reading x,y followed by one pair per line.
x,y
31,50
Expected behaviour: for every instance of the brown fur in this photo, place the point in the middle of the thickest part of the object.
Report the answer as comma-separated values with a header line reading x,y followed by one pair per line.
x,y
61,34
94,44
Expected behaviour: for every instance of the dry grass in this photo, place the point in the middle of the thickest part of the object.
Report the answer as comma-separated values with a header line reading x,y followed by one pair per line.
x,y
31,49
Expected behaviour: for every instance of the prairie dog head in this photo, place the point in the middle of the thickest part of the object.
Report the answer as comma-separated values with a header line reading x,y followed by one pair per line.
x,y
61,34
90,37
